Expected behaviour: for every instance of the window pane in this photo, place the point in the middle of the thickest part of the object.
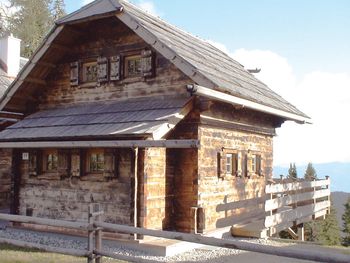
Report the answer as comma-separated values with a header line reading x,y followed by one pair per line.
x,y
229,163
133,66
90,72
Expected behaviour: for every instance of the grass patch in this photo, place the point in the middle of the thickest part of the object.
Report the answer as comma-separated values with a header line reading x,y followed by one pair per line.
x,y
13,254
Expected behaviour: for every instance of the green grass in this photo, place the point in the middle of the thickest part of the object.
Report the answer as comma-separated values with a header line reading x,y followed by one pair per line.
x,y
13,254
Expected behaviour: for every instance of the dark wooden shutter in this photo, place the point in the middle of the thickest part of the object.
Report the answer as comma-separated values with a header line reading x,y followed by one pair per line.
x,y
244,164
115,68
258,165
102,69
109,162
75,163
74,73
221,160
63,162
83,156
147,63
39,162
234,164
116,163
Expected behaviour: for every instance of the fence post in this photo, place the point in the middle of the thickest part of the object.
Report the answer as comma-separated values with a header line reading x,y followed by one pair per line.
x,y
98,235
91,234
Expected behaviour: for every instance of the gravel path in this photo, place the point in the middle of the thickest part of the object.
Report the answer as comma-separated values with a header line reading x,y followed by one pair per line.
x,y
203,254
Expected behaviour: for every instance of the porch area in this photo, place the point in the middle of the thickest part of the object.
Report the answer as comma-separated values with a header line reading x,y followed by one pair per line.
x,y
287,203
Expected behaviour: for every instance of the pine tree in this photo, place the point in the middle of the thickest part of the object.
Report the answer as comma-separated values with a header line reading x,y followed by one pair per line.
x,y
310,172
292,171
346,224
58,9
326,231
329,232
32,20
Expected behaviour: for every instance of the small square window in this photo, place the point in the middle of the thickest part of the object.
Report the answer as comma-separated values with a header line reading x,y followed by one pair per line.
x,y
51,162
89,72
133,66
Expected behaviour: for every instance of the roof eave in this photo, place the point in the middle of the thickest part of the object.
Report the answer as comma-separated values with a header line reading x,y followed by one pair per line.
x,y
217,95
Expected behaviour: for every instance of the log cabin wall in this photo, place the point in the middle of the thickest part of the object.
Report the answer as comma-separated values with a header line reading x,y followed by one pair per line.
x,y
5,177
68,197
219,195
108,38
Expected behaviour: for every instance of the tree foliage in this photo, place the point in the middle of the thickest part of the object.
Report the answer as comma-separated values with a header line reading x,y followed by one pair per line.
x,y
310,172
346,224
292,171
32,20
325,231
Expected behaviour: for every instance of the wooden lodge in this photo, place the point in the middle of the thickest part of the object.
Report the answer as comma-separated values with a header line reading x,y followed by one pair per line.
x,y
165,131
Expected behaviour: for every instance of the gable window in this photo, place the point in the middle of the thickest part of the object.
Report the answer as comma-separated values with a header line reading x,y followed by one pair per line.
x,y
96,161
89,72
133,67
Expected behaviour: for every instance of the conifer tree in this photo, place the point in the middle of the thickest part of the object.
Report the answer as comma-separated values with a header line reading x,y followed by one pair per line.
x,y
346,224
310,172
292,171
32,20
329,233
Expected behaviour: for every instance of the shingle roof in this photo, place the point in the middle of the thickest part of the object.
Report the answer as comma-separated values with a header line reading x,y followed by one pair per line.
x,y
5,80
223,71
138,117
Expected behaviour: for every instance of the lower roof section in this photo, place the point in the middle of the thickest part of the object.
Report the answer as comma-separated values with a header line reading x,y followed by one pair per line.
x,y
105,144
146,118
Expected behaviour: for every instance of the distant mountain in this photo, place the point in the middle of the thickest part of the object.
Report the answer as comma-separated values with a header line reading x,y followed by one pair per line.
x,y
338,200
338,172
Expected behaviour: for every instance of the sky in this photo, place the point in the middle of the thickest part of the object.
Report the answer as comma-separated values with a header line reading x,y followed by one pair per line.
x,y
302,48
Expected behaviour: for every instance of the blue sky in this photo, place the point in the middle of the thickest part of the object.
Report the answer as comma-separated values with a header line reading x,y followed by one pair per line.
x,y
303,50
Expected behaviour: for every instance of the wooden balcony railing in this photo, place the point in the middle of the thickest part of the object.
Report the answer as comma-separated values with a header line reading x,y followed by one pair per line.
x,y
293,203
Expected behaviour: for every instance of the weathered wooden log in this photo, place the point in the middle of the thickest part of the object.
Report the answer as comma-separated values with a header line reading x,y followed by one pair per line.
x,y
66,251
45,221
271,250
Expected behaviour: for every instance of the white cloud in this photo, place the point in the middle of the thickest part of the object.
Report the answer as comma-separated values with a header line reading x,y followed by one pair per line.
x,y
149,7
85,2
324,96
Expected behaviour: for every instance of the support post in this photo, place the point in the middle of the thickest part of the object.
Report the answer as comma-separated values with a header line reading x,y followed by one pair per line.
x,y
328,199
301,234
91,234
136,185
98,235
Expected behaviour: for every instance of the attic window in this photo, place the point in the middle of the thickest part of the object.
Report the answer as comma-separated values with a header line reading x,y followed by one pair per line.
x,y
89,72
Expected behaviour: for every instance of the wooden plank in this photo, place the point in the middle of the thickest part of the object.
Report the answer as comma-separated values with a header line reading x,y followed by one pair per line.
x,y
35,81
67,251
279,188
105,144
211,241
294,214
45,221
292,199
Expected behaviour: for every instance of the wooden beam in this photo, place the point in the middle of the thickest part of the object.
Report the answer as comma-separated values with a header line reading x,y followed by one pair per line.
x,y
35,81
60,47
318,256
279,188
104,144
221,96
45,64
292,233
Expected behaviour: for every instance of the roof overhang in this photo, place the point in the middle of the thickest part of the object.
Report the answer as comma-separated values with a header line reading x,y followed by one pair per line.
x,y
220,96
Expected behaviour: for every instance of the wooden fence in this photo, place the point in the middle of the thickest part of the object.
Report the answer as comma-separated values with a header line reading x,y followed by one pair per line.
x,y
294,203
95,252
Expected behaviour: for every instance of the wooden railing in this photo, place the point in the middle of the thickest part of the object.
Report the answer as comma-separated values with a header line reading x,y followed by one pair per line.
x,y
95,251
293,203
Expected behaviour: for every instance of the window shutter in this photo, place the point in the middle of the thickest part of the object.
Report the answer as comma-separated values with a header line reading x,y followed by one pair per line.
x,y
83,157
234,164
147,63
74,73
249,161
33,162
75,163
244,162
116,163
115,68
258,165
239,164
102,69
39,162
221,160
63,162
109,162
